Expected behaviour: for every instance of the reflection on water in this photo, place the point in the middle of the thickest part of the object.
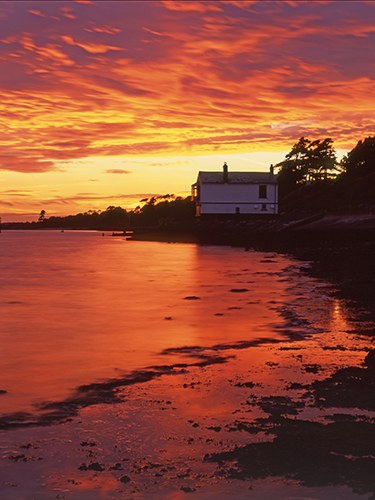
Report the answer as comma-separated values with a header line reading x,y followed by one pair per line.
x,y
161,355
77,307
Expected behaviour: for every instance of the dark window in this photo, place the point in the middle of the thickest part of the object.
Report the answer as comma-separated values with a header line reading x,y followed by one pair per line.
x,y
237,210
264,207
262,191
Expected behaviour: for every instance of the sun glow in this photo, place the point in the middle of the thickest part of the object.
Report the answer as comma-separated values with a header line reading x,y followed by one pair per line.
x,y
93,90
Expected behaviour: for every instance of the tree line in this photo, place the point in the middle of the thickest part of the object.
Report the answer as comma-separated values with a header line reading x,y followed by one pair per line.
x,y
310,179
316,161
167,209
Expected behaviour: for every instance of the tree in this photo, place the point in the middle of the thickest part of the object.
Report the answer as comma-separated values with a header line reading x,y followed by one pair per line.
x,y
42,216
321,160
360,160
308,161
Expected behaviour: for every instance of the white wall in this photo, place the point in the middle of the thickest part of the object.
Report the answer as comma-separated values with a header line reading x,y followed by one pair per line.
x,y
230,208
225,198
236,193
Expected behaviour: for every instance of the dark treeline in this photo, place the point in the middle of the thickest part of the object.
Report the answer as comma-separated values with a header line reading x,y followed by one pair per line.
x,y
311,180
168,209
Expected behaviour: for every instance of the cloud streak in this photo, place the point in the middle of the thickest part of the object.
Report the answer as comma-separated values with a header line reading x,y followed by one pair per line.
x,y
117,171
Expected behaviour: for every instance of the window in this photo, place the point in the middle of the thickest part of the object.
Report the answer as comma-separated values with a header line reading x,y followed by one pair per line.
x,y
237,210
264,207
262,191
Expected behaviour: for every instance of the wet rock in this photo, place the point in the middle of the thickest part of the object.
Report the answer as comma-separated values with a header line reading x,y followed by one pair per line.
x,y
238,290
191,297
3,391
187,489
280,405
18,458
244,426
215,428
117,466
335,348
312,368
344,417
314,454
351,387
295,386
250,385
125,479
28,446
93,466
88,443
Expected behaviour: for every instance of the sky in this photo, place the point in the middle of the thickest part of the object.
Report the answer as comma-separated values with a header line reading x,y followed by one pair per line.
x,y
105,103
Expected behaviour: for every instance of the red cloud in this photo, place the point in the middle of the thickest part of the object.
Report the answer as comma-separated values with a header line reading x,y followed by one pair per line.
x,y
24,163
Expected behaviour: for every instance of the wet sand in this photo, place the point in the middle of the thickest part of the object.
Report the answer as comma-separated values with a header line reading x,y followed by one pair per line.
x,y
271,398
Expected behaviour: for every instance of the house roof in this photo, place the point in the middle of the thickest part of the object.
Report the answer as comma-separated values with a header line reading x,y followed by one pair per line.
x,y
237,178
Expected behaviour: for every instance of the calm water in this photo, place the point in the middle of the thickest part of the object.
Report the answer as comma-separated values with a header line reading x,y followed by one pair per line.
x,y
77,307
182,343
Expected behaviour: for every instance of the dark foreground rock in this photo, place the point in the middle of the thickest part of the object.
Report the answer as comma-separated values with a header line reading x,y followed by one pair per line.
x,y
339,453
351,387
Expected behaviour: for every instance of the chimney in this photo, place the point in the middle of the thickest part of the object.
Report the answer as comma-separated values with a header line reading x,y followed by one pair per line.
x,y
225,172
271,169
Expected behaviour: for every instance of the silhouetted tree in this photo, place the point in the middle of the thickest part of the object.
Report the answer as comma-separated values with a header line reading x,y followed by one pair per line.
x,y
308,161
360,160
163,210
42,216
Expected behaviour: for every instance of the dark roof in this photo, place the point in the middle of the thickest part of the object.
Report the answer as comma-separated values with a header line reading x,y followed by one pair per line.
x,y
237,178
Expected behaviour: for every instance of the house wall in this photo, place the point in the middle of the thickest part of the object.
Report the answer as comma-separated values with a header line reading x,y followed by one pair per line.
x,y
237,198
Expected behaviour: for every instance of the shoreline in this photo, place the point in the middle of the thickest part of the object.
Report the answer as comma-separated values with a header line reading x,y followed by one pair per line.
x,y
301,424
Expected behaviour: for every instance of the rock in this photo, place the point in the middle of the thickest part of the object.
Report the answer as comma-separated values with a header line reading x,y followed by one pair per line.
x,y
93,466
187,489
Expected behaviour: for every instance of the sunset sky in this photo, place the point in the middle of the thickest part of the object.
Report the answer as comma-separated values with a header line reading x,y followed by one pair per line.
x,y
104,103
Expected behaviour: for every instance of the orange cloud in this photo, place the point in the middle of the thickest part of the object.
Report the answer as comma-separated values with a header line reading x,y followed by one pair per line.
x,y
191,6
36,13
92,48
68,12
108,30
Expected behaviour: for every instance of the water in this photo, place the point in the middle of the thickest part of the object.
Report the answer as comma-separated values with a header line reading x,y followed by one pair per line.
x,y
179,341
77,307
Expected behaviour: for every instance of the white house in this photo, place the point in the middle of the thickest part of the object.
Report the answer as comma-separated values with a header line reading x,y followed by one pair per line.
x,y
225,193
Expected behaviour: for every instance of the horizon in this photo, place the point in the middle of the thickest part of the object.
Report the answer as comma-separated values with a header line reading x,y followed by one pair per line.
x,y
106,103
